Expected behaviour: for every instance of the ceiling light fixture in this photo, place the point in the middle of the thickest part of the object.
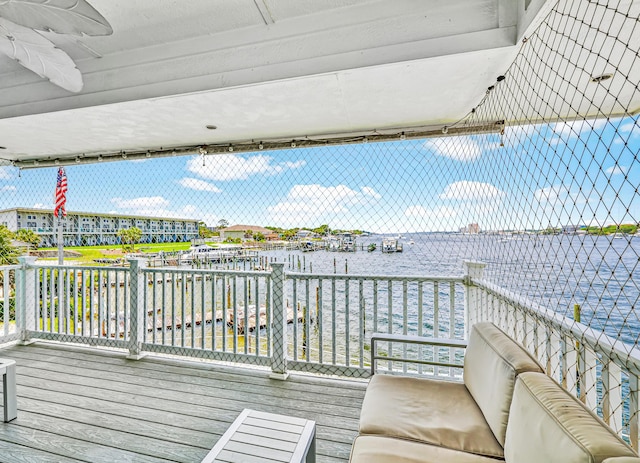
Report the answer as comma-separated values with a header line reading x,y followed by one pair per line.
x,y
230,148
293,144
77,159
601,77
57,162
100,158
148,154
445,129
403,136
124,156
260,146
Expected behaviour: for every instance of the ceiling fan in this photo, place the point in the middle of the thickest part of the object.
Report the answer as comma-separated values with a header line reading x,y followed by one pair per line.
x,y
20,21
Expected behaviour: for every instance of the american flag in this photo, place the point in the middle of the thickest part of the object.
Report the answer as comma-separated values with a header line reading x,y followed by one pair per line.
x,y
61,193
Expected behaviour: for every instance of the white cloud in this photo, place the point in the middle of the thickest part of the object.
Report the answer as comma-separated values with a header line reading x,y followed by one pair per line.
x,y
142,203
463,148
617,170
237,167
551,193
470,191
308,203
370,192
576,128
560,194
199,185
629,127
8,188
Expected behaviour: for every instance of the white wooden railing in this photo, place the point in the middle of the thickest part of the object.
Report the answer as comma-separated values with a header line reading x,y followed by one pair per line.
x,y
310,322
9,316
339,313
601,371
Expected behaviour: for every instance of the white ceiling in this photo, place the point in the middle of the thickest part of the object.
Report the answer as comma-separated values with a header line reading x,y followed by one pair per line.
x,y
261,70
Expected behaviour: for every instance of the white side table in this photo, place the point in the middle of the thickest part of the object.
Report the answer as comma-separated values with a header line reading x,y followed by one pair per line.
x,y
255,436
8,372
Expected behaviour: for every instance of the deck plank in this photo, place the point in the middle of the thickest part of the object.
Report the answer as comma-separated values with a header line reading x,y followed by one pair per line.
x,y
77,448
178,381
86,404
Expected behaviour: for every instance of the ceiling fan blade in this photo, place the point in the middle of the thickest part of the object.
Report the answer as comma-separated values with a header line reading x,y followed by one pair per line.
x,y
39,55
75,17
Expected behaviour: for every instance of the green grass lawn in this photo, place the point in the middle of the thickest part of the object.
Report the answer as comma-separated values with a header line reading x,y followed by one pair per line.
x,y
90,253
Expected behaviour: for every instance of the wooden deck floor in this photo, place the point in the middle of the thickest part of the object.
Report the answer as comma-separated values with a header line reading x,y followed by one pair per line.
x,y
78,404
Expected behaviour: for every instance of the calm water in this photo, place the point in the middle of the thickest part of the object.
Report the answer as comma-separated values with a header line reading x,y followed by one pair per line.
x,y
600,273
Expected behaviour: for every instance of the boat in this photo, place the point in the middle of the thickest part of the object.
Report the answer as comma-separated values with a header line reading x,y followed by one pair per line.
x,y
307,246
344,242
390,245
205,253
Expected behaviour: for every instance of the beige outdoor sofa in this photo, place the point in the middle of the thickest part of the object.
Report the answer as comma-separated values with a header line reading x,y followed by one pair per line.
x,y
506,409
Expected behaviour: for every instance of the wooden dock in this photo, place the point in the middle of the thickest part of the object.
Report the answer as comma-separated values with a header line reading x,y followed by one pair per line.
x,y
168,322
87,405
251,319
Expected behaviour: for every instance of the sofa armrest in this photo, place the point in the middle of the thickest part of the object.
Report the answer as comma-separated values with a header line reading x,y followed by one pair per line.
x,y
411,339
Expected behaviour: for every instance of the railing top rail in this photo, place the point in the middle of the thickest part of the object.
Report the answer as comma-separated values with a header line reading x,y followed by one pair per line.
x,y
208,271
9,267
598,341
342,276
79,267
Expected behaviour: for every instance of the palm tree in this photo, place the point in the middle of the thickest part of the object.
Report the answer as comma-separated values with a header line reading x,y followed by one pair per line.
x,y
8,253
28,236
129,237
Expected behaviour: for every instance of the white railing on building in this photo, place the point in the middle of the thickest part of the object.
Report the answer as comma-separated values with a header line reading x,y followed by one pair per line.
x,y
602,373
9,316
309,322
339,313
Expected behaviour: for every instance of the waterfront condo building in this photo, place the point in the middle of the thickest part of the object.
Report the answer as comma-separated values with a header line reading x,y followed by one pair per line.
x,y
90,228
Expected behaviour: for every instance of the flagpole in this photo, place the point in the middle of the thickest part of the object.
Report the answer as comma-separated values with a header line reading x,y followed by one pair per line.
x,y
60,242
60,198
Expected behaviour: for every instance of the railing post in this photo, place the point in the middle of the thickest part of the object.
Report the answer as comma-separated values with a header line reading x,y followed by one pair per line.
x,y
279,331
472,270
136,307
26,297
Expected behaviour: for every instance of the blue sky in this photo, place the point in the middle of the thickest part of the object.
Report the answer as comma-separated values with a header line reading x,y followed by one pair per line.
x,y
543,175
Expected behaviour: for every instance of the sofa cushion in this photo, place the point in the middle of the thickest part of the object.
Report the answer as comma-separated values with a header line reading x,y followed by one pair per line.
x,y
491,363
378,449
548,424
437,412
